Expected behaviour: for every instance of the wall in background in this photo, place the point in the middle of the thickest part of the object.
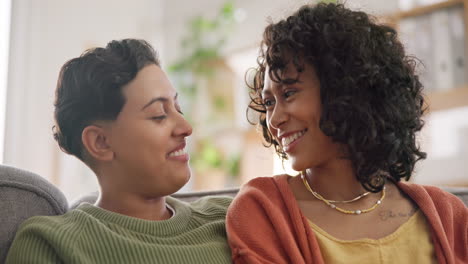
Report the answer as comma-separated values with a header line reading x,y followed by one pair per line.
x,y
253,16
5,6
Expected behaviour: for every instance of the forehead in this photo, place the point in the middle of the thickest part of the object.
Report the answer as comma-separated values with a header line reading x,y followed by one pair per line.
x,y
288,74
150,82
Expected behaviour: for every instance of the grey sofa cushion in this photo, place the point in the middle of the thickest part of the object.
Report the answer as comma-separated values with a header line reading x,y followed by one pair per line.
x,y
460,192
24,194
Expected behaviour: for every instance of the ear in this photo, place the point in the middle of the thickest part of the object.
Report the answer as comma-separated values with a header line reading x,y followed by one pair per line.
x,y
95,141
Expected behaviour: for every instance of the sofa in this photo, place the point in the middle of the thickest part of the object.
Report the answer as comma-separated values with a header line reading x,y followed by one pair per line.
x,y
25,194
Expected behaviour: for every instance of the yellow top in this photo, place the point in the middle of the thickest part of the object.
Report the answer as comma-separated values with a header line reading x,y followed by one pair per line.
x,y
410,243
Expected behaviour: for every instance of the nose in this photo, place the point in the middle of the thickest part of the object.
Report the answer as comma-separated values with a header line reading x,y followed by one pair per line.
x,y
277,117
183,127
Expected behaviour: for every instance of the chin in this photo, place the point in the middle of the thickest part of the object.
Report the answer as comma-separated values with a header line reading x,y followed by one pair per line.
x,y
297,165
177,181
184,178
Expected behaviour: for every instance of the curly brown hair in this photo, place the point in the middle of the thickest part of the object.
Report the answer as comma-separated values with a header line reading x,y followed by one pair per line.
x,y
371,96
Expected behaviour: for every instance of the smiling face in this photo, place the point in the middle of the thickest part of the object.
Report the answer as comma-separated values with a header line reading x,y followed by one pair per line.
x,y
293,111
148,137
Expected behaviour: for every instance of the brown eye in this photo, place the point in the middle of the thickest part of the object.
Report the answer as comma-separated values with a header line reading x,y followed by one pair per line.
x,y
268,103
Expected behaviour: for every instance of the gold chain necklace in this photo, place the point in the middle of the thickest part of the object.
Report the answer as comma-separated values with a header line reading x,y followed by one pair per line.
x,y
331,202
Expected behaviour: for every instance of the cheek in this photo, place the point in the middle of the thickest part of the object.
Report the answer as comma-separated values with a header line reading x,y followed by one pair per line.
x,y
312,113
141,138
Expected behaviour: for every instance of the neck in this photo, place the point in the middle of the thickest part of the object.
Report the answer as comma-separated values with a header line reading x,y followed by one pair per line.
x,y
134,206
335,181
119,198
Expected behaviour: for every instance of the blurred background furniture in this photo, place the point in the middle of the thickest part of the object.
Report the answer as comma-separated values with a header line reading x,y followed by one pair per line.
x,y
461,193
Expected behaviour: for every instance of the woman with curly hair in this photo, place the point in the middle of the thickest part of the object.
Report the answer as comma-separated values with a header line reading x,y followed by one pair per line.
x,y
338,97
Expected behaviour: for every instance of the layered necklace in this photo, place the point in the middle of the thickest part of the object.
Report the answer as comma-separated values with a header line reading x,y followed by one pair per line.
x,y
332,203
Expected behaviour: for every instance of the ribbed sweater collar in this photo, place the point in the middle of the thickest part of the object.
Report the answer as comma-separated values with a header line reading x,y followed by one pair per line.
x,y
175,225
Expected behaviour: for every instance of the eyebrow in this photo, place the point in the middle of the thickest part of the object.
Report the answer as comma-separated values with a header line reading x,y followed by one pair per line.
x,y
158,99
286,81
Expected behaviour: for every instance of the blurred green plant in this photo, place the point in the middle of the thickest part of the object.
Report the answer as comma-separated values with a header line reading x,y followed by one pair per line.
x,y
199,48
209,157
233,165
203,45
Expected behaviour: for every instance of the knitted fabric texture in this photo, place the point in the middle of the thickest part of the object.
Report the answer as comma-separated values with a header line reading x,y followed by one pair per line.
x,y
88,234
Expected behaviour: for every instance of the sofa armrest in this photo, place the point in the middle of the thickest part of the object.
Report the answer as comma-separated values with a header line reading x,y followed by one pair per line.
x,y
24,194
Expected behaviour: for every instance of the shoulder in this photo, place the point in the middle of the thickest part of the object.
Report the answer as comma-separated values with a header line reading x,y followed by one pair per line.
x,y
39,237
425,194
263,186
446,213
262,218
52,222
212,207
259,195
212,203
263,189
439,206
50,225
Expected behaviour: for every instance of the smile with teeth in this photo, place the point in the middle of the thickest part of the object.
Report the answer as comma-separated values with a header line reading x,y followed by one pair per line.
x,y
288,140
179,152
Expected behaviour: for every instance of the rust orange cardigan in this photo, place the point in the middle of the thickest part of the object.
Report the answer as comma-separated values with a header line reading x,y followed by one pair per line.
x,y
265,225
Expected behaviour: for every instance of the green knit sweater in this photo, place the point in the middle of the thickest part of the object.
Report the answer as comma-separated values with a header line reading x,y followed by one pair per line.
x,y
194,234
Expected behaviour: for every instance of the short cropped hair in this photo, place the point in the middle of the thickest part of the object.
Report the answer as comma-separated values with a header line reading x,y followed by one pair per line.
x,y
89,88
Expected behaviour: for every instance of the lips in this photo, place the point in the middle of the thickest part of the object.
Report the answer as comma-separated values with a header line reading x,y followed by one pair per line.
x,y
179,151
288,138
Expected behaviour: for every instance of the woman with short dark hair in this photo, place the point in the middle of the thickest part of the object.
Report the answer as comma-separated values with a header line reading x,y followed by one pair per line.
x,y
116,111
